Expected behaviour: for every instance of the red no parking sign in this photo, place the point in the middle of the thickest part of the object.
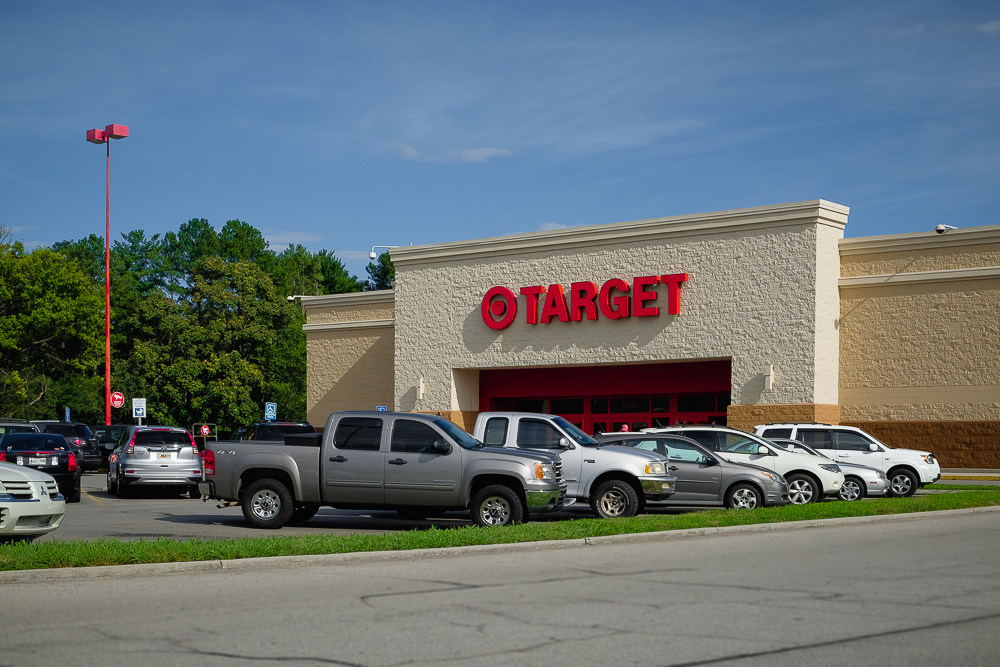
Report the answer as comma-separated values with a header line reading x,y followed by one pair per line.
x,y
117,399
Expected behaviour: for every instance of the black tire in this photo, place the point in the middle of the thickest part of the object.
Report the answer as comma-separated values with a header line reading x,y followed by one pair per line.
x,y
803,489
902,483
75,496
853,489
614,498
122,487
303,513
497,505
267,503
193,492
744,497
112,486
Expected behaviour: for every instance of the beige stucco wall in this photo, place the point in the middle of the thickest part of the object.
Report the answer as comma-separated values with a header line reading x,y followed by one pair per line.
x,y
919,337
762,291
350,348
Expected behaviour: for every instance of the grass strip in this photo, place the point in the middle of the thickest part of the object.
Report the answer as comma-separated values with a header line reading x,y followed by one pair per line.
x,y
77,553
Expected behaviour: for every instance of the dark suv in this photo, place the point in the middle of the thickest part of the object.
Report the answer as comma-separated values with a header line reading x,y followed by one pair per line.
x,y
276,431
80,436
16,426
107,438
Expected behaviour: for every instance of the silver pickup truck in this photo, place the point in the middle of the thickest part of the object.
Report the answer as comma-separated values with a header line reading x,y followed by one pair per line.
x,y
616,481
381,460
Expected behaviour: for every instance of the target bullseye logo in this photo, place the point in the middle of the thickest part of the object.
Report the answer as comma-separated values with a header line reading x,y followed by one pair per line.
x,y
500,303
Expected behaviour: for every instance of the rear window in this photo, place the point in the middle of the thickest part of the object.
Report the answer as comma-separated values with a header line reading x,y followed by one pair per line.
x,y
61,429
496,431
776,433
108,434
279,431
16,429
162,438
83,431
24,442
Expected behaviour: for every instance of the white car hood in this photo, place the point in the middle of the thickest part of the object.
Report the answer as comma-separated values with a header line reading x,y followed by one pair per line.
x,y
15,473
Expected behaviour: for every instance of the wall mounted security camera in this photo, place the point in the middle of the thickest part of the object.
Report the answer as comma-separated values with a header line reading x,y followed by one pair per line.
x,y
941,229
372,255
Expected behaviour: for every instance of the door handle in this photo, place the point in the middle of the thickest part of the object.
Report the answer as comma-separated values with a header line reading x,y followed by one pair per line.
x,y
397,462
673,468
338,459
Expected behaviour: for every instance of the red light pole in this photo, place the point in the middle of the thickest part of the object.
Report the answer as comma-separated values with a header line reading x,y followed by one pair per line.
x,y
103,137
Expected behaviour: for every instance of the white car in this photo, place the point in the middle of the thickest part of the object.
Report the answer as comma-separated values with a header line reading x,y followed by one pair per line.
x,y
907,469
809,477
859,481
30,503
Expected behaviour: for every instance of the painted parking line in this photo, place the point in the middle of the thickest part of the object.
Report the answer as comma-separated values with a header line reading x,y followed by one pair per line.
x,y
92,498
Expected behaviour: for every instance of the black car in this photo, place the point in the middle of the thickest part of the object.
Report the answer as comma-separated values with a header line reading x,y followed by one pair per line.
x,y
48,452
107,438
276,431
80,435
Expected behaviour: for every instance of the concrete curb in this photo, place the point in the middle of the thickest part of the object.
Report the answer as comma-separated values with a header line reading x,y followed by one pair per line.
x,y
284,562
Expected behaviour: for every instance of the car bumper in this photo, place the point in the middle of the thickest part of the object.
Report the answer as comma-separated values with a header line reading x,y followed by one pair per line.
x,y
929,473
545,499
658,487
877,487
35,516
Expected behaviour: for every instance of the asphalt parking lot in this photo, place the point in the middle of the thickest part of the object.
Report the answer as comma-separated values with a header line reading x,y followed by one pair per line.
x,y
156,513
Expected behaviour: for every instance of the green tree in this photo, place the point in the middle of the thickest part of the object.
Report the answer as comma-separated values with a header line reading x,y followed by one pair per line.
x,y
381,273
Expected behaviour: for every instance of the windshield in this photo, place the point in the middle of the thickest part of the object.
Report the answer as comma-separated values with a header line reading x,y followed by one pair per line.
x,y
24,442
458,435
797,448
579,436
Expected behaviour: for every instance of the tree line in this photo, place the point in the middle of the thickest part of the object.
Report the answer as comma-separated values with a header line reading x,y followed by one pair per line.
x,y
200,324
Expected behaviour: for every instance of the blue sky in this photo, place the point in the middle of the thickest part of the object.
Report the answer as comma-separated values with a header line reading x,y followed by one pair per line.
x,y
342,125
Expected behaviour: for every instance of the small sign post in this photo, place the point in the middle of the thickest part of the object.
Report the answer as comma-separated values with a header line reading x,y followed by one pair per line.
x,y
139,409
67,415
270,411
117,399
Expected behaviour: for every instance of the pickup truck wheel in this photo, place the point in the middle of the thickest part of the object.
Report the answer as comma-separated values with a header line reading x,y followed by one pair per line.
x,y
267,503
614,498
303,513
497,505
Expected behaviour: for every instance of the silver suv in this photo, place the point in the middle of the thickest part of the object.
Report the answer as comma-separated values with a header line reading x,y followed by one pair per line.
x,y
154,456
907,469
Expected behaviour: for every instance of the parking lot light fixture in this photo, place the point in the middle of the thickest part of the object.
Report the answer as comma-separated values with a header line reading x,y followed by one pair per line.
x,y
97,136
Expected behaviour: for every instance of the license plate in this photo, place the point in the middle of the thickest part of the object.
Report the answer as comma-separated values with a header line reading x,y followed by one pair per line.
x,y
164,456
32,461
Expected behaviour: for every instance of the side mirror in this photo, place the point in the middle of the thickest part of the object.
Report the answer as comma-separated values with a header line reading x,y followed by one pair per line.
x,y
763,451
441,446
564,443
872,447
709,461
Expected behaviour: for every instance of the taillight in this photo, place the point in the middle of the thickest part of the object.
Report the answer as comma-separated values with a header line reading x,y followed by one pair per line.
x,y
80,442
72,462
3,456
208,461
131,445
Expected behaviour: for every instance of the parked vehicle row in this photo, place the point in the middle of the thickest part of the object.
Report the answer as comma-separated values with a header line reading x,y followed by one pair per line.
x,y
30,503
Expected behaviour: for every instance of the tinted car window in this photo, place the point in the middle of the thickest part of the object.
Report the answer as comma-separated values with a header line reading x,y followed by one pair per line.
x,y
496,431
358,433
413,436
648,445
678,450
777,433
278,431
83,431
852,441
708,439
23,442
535,434
108,434
162,438
16,429
61,429
816,438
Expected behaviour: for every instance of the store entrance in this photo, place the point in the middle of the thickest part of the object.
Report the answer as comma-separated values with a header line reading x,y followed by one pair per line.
x,y
601,399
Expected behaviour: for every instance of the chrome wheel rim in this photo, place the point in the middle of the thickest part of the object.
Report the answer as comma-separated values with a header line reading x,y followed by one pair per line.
x,y
850,491
613,503
265,504
901,485
800,492
495,511
744,499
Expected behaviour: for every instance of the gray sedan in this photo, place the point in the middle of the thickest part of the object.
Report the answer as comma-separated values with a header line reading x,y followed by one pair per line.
x,y
859,480
704,479
154,456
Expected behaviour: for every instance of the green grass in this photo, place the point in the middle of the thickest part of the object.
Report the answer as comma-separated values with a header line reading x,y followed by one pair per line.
x,y
108,551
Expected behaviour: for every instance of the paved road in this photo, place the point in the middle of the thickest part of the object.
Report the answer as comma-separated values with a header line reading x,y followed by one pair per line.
x,y
907,593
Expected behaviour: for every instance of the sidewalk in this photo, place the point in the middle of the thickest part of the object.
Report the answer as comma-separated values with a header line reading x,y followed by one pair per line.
x,y
978,474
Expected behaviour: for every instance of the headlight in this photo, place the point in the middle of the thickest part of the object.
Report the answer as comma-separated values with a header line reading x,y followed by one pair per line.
x,y
830,467
544,471
929,459
654,468
774,477
881,475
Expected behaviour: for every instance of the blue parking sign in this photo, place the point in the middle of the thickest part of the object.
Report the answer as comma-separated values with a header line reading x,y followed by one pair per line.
x,y
381,408
270,411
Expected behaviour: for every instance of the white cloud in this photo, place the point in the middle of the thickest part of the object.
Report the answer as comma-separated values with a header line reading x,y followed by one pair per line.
x,y
989,28
458,155
549,226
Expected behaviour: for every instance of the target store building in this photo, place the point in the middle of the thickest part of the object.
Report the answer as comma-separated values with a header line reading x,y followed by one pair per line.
x,y
739,317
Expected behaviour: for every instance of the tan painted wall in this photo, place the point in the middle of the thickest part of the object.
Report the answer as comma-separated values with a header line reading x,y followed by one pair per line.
x,y
349,368
925,350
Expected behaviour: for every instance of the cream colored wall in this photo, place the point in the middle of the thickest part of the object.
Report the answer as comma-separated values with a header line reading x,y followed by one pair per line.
x,y
350,353
922,348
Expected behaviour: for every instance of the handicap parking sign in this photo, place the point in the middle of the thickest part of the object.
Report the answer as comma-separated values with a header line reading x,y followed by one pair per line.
x,y
270,411
381,408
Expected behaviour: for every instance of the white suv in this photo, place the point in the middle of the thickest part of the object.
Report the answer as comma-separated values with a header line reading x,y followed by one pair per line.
x,y
809,477
907,469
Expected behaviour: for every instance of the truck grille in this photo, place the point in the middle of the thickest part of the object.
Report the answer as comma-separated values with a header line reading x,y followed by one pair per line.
x,y
19,490
52,488
557,469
